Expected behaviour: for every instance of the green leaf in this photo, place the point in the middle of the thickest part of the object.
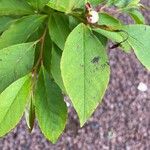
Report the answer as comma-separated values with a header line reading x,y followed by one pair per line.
x,y
124,3
5,22
15,62
12,104
55,66
133,3
30,113
15,7
121,3
136,16
116,37
59,29
21,30
101,38
47,53
85,71
66,5
38,4
73,22
139,37
50,107
96,2
106,19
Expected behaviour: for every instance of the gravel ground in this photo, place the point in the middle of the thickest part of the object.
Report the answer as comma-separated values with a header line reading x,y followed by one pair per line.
x,y
121,122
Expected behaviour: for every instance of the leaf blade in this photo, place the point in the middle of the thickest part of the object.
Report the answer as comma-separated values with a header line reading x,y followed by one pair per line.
x,y
13,98
55,66
17,33
83,65
50,107
38,4
15,7
139,39
58,22
5,22
66,6
15,62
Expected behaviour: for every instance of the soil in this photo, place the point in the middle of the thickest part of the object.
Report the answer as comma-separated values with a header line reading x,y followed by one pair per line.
x,y
121,122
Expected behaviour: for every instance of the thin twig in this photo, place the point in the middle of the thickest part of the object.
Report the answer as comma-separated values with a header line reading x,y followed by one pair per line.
x,y
40,59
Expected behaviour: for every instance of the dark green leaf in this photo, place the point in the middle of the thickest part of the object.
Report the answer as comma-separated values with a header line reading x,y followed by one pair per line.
x,y
21,30
59,29
73,22
55,66
15,7
47,53
5,23
101,38
50,107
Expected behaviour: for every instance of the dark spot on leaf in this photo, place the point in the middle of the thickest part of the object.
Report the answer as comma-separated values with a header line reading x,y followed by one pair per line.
x,y
95,60
0,59
96,68
94,97
81,65
78,46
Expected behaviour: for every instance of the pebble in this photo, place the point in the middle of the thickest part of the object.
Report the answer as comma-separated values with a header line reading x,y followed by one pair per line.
x,y
142,87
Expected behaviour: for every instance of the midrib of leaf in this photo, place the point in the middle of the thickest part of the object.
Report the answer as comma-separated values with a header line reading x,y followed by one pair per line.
x,y
84,53
13,102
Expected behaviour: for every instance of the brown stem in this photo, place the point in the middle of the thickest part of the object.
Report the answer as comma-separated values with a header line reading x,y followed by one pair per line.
x,y
40,59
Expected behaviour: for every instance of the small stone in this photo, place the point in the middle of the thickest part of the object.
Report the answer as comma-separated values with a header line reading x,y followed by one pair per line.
x,y
142,87
68,104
